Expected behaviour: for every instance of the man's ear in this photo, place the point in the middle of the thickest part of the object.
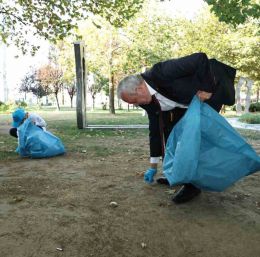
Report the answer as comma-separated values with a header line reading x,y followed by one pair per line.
x,y
141,88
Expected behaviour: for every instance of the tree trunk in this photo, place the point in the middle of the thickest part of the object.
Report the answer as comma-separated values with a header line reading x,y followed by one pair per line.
x,y
57,101
257,95
111,81
71,101
111,95
249,85
93,103
63,97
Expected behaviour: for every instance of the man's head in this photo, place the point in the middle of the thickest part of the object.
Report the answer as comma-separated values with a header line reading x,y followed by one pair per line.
x,y
133,90
18,117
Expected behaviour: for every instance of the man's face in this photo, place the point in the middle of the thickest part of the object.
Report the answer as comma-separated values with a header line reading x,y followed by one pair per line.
x,y
139,97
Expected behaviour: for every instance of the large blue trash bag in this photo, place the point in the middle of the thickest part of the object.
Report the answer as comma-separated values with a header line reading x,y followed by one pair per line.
x,y
204,149
37,143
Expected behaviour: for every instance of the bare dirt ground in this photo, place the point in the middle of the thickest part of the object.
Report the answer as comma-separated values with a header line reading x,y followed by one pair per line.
x,y
61,207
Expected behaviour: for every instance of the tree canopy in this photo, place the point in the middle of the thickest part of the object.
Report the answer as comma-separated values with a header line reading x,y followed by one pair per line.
x,y
235,11
52,20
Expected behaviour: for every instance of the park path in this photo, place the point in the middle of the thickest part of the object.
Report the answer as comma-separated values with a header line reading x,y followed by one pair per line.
x,y
234,122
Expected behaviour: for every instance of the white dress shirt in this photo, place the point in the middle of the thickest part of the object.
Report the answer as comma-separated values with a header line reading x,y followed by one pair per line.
x,y
166,105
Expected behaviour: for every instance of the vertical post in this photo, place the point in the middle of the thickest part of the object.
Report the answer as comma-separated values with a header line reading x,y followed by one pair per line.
x,y
79,50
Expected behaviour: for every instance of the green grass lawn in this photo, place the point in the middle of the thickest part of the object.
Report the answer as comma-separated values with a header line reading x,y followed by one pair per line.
x,y
63,124
251,118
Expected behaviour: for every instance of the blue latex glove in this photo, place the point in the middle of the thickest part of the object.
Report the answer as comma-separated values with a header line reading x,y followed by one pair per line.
x,y
149,174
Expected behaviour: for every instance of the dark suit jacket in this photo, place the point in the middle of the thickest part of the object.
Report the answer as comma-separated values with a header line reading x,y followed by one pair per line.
x,y
180,79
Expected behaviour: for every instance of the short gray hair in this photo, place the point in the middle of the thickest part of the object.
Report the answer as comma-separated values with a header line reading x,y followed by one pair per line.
x,y
129,84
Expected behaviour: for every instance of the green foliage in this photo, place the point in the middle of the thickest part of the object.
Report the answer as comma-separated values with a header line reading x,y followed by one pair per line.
x,y
234,11
99,83
152,37
3,107
246,50
54,20
254,107
22,104
9,107
250,118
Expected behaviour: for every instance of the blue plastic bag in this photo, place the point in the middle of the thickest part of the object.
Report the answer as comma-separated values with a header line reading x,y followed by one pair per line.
x,y
204,149
36,143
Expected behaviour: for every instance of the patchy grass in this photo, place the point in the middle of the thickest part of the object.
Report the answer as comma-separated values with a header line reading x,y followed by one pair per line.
x,y
94,141
250,134
251,118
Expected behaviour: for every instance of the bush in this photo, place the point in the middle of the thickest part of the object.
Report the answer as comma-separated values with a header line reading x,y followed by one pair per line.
x,y
46,104
4,107
254,107
104,106
234,108
250,118
23,104
8,107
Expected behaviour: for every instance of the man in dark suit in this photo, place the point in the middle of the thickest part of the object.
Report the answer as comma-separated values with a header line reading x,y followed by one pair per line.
x,y
165,92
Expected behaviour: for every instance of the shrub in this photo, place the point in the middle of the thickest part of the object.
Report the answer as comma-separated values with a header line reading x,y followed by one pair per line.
x,y
3,107
234,107
23,104
250,118
104,106
254,107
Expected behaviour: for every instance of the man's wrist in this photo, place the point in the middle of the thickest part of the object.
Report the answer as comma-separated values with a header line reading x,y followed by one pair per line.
x,y
154,160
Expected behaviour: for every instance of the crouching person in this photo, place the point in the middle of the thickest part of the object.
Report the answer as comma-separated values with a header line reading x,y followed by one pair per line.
x,y
19,116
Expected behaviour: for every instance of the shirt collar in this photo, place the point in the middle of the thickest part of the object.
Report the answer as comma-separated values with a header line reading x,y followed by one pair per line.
x,y
150,89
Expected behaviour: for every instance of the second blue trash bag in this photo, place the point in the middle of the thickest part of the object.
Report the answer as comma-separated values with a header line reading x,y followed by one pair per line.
x,y
37,143
204,149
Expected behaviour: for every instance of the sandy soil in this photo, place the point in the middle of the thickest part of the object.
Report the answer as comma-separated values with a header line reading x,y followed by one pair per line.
x,y
61,207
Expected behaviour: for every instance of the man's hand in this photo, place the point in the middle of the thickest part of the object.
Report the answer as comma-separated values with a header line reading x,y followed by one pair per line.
x,y
203,96
149,174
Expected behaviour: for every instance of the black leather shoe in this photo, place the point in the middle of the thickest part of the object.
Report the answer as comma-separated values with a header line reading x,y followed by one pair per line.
x,y
186,193
163,181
